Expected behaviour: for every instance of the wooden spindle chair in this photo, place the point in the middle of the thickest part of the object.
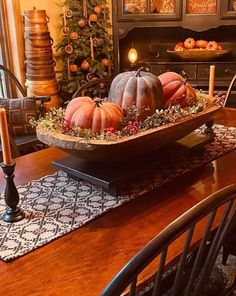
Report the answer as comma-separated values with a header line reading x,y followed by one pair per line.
x,y
25,141
227,97
189,273
92,89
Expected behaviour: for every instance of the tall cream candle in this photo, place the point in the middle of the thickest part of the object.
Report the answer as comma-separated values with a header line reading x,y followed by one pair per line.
x,y
6,150
212,80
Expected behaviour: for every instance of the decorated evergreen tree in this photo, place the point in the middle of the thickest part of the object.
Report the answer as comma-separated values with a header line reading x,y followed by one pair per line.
x,y
86,46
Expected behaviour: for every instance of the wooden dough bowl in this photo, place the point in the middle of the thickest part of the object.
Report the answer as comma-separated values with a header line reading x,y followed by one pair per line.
x,y
198,55
128,147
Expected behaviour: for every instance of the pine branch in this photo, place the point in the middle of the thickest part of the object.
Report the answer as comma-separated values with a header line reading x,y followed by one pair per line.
x,y
70,81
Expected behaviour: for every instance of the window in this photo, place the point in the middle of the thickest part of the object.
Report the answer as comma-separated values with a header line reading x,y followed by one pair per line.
x,y
11,46
4,82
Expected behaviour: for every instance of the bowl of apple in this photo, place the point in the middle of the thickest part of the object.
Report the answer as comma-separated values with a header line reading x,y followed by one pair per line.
x,y
198,50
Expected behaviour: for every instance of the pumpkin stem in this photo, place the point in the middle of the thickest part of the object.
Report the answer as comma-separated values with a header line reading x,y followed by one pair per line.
x,y
143,68
98,102
185,76
138,73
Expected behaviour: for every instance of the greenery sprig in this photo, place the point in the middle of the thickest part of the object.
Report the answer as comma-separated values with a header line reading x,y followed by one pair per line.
x,y
130,125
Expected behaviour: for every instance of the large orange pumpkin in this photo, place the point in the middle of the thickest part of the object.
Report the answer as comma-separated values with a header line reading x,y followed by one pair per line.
x,y
177,90
93,114
139,88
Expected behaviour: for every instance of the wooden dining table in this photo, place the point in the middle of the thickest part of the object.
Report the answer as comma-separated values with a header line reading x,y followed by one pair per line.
x,y
85,260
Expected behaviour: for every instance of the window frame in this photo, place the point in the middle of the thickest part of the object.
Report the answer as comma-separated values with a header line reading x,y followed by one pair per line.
x,y
4,52
12,45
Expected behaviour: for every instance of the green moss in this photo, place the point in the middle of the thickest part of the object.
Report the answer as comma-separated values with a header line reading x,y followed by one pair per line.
x,y
130,125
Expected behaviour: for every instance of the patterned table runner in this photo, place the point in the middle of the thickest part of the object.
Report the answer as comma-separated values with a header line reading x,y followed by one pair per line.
x,y
55,204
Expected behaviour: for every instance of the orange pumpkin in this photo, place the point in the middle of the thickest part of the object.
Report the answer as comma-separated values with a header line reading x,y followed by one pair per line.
x,y
139,88
93,114
177,91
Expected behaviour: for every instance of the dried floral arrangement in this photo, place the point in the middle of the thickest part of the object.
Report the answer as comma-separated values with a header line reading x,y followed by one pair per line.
x,y
130,125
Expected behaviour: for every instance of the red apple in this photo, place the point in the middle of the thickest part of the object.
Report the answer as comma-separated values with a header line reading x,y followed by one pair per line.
x,y
179,46
219,47
189,43
212,45
201,43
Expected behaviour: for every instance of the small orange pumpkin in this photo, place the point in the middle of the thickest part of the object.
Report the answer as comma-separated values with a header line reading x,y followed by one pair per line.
x,y
94,114
139,88
177,91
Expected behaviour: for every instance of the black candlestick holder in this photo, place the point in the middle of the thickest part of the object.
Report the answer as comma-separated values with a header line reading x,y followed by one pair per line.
x,y
13,212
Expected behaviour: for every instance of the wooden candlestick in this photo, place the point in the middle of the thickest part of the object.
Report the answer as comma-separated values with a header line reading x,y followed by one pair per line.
x,y
212,80
6,150
13,212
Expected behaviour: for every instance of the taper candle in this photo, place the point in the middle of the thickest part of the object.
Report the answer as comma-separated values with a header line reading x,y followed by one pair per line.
x,y
6,150
212,80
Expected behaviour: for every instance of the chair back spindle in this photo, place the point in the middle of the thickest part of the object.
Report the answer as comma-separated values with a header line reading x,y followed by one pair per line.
x,y
2,85
201,254
23,137
229,90
204,227
158,279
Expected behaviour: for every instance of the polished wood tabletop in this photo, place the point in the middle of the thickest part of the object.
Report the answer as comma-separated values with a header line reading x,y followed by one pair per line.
x,y
84,261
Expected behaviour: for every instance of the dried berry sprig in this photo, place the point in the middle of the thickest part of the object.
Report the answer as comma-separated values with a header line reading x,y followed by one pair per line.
x,y
220,99
67,126
132,128
131,115
161,117
201,98
53,120
108,134
130,125
77,131
172,114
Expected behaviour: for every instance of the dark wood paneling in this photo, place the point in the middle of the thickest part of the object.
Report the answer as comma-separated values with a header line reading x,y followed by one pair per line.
x,y
223,71
190,70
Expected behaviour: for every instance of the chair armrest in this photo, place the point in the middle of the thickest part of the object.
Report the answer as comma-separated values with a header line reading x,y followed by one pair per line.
x,y
43,99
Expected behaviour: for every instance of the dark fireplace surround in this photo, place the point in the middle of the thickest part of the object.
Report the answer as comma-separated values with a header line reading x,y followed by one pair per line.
x,y
151,43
